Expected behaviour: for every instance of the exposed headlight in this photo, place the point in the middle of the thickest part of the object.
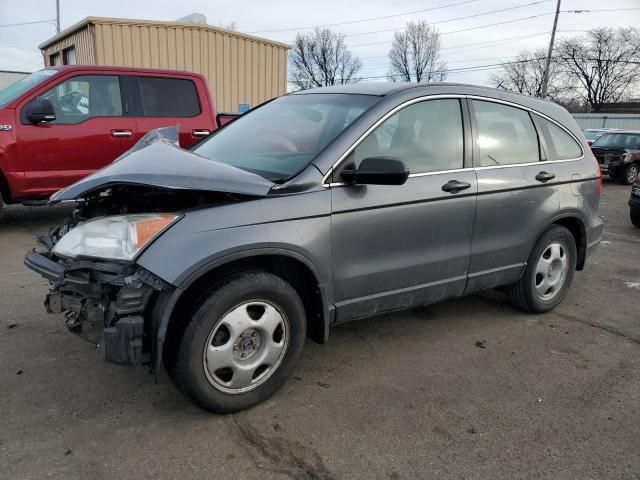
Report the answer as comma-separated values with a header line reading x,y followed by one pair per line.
x,y
120,237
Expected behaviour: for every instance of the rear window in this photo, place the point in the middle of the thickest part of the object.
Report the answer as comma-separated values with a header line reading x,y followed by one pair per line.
x,y
560,144
506,135
168,97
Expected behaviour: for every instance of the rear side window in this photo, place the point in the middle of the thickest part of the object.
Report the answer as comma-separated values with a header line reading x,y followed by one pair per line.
x,y
427,136
560,144
168,97
506,135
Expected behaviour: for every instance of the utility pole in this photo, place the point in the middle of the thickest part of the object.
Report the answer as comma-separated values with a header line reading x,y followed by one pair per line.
x,y
545,76
57,16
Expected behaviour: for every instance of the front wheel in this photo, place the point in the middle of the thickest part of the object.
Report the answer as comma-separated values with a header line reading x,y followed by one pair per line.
x,y
629,174
548,274
241,343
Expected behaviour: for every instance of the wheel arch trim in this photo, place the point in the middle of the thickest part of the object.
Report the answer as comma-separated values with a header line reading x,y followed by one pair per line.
x,y
581,242
170,301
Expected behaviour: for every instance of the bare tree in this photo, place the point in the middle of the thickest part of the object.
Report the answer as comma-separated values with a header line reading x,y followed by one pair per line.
x,y
415,54
321,58
525,75
604,64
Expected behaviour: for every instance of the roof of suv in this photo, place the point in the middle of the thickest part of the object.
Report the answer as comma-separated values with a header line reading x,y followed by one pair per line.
x,y
384,89
389,88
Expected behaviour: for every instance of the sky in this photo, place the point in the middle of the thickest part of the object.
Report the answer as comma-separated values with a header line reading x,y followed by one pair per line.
x,y
522,24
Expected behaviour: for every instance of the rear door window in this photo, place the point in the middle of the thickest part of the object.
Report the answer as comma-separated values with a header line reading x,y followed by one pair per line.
x,y
168,97
506,135
560,144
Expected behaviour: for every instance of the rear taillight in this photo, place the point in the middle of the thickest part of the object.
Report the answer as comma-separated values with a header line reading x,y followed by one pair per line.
x,y
599,176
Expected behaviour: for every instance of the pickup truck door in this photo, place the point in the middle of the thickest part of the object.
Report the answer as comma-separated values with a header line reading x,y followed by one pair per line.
x,y
88,133
169,101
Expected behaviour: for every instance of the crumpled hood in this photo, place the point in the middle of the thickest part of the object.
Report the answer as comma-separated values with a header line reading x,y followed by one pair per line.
x,y
157,161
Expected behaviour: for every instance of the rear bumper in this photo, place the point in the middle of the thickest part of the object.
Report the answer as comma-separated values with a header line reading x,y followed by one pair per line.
x,y
105,304
594,235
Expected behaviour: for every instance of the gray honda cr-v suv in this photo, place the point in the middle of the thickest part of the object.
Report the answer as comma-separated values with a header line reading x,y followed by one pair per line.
x,y
316,208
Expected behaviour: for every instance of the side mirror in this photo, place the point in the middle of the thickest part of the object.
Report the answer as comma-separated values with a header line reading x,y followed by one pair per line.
x,y
377,171
40,110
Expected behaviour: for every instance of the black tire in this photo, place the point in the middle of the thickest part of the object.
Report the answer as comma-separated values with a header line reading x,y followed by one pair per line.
x,y
635,217
184,356
3,209
629,174
523,294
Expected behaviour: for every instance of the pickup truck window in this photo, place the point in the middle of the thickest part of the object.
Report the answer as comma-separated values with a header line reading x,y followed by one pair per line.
x,y
13,91
168,97
86,96
280,138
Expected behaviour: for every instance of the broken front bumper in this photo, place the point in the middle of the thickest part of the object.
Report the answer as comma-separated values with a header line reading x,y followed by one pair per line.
x,y
103,302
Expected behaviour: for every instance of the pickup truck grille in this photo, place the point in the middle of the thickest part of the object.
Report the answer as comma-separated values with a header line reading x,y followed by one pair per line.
x,y
606,158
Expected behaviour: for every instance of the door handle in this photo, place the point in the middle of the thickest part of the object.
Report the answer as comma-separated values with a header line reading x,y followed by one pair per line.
x,y
121,133
200,132
454,186
544,177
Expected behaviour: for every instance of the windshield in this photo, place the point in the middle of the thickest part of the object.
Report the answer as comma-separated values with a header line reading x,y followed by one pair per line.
x,y
593,134
280,138
13,91
618,140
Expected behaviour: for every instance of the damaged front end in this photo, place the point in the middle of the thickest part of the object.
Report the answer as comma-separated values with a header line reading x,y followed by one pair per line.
x,y
103,302
90,260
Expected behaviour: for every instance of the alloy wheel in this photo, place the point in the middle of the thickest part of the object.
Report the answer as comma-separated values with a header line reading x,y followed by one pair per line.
x,y
632,173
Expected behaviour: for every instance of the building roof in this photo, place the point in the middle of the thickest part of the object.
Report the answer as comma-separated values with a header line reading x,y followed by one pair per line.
x,y
151,23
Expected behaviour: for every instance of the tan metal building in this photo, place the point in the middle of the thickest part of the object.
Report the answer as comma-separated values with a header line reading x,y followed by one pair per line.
x,y
240,68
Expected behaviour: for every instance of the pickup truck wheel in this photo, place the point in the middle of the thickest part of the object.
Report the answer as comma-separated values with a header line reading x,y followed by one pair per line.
x,y
241,343
548,274
629,174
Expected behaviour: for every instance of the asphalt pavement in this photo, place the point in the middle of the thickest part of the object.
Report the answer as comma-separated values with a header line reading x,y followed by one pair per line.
x,y
469,388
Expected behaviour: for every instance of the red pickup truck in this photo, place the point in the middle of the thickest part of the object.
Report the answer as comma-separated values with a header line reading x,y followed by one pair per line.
x,y
60,124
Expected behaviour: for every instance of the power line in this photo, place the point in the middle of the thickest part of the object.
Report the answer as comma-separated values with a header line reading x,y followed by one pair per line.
x,y
489,66
366,19
465,29
479,45
450,61
505,22
454,19
26,23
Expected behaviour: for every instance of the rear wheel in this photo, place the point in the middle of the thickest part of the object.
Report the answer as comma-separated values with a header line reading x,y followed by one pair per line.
x,y
548,274
241,343
629,174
